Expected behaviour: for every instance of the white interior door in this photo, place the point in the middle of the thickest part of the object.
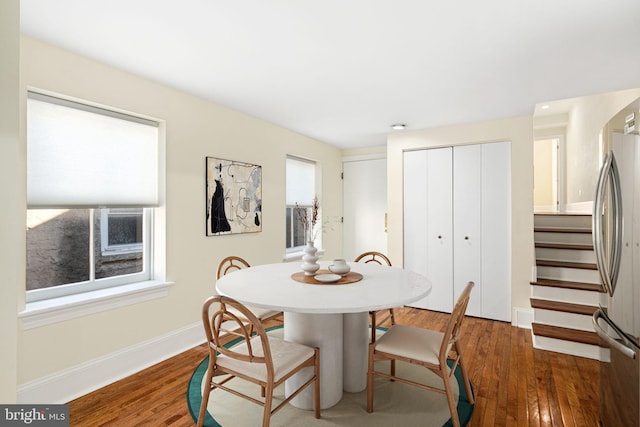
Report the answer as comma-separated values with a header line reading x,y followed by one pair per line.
x,y
415,214
496,231
467,199
364,206
428,234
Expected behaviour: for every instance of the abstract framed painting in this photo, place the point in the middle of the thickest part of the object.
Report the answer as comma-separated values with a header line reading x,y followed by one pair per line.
x,y
233,197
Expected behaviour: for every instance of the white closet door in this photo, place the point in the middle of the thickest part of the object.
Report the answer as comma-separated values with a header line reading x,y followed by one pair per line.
x,y
467,247
364,207
457,225
496,231
428,223
415,214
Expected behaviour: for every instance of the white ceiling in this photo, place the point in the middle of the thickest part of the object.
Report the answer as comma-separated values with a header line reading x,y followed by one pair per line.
x,y
343,71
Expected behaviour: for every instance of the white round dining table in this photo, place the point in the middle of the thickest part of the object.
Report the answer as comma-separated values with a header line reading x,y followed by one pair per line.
x,y
333,317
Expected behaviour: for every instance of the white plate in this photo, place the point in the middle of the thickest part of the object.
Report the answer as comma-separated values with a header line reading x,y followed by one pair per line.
x,y
327,278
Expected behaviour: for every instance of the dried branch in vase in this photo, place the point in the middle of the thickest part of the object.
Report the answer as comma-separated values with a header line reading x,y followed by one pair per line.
x,y
307,222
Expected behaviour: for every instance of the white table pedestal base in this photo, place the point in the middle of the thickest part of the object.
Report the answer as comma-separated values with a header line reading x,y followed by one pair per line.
x,y
325,332
343,340
355,346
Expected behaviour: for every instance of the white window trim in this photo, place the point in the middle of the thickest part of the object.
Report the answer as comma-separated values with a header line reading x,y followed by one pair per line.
x,y
46,312
106,249
297,252
86,287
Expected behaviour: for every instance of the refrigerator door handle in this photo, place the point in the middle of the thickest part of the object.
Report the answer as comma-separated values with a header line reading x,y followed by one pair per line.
x,y
616,194
623,347
608,269
597,220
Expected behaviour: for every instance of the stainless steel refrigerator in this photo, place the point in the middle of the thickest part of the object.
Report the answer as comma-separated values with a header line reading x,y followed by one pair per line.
x,y
616,231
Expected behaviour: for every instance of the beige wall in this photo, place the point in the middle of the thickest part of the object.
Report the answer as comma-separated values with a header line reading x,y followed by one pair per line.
x,y
11,214
586,119
365,151
517,130
195,129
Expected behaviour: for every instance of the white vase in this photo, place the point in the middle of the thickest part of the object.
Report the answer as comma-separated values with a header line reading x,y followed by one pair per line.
x,y
340,267
310,260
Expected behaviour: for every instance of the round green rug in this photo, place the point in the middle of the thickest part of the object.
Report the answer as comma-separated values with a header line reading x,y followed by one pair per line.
x,y
395,404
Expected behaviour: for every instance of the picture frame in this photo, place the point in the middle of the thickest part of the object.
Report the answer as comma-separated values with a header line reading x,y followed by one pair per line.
x,y
233,197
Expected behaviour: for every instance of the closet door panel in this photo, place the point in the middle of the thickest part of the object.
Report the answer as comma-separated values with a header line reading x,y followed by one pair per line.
x,y
440,229
467,199
427,223
415,214
496,231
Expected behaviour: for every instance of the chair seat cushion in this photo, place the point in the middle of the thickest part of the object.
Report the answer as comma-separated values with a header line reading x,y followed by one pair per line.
x,y
286,357
260,313
411,342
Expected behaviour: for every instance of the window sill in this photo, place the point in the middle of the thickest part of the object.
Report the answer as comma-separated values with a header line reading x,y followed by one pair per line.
x,y
297,256
42,313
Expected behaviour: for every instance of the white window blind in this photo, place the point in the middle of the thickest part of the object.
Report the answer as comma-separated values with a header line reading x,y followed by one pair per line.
x,y
300,181
84,156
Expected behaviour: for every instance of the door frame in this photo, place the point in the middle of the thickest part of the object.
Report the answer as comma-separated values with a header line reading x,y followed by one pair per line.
x,y
560,169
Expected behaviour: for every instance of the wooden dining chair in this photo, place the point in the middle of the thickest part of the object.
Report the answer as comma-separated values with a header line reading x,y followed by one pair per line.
x,y
230,264
263,360
427,348
233,263
381,316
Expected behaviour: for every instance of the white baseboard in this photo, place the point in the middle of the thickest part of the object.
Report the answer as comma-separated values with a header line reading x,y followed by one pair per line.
x,y
522,317
71,383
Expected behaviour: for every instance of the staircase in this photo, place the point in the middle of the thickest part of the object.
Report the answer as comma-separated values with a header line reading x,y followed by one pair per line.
x,y
567,288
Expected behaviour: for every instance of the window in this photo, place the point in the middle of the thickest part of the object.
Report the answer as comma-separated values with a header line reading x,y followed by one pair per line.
x,y
92,183
121,231
301,190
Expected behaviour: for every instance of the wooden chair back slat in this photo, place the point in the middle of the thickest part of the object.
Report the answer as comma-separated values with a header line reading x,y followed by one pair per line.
x,y
230,264
454,324
216,331
373,256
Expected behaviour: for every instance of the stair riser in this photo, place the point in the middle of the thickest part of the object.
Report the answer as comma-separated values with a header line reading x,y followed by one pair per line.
x,y
568,255
563,319
565,295
573,221
568,347
570,238
569,274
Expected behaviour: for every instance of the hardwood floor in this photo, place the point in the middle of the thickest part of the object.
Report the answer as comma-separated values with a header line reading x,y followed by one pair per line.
x,y
515,384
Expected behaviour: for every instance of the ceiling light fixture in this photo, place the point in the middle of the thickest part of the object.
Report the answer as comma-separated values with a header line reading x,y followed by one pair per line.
x,y
398,126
